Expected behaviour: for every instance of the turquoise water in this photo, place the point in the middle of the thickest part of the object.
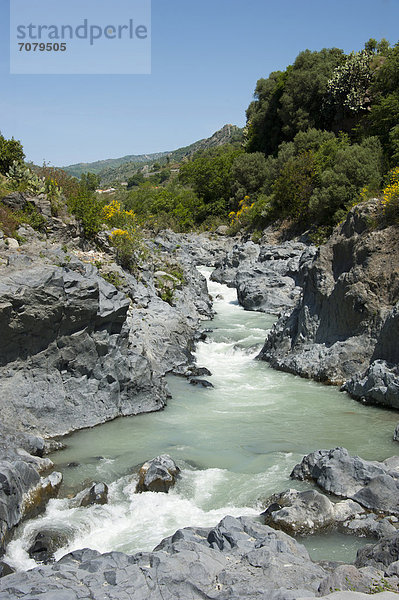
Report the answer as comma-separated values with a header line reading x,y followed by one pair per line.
x,y
235,443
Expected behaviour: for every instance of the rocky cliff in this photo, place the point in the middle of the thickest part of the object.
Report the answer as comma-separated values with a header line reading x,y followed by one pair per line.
x,y
345,326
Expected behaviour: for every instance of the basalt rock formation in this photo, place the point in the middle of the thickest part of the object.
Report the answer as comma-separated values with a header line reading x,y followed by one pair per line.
x,y
267,277
345,327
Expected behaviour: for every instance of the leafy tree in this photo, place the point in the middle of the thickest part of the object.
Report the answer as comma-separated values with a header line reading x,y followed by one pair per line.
x,y
348,91
289,102
294,187
10,151
135,180
171,206
210,176
311,139
264,126
305,88
88,209
89,181
384,115
351,168
249,172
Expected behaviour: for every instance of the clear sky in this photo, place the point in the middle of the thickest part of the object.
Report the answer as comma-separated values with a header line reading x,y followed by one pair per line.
x,y
206,58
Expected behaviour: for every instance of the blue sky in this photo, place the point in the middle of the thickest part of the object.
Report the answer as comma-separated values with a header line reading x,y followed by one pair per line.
x,y
206,58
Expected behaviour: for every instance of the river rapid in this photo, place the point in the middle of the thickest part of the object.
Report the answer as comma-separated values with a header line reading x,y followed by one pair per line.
x,y
236,444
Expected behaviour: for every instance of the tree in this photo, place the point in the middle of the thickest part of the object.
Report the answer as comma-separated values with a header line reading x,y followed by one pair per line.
x,y
305,88
294,187
10,151
338,187
264,126
291,101
249,172
348,90
89,181
135,180
210,176
384,114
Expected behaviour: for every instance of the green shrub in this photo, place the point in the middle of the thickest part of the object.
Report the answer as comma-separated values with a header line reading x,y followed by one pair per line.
x,y
88,209
11,151
21,178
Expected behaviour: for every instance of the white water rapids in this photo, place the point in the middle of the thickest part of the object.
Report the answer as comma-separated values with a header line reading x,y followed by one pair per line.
x,y
236,445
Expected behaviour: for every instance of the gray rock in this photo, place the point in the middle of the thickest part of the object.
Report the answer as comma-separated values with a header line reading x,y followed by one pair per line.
x,y
379,555
308,512
96,494
66,332
366,579
23,493
396,433
369,525
11,243
202,249
347,314
238,559
378,385
393,569
46,543
15,200
266,277
5,569
200,382
355,596
374,485
158,475
263,290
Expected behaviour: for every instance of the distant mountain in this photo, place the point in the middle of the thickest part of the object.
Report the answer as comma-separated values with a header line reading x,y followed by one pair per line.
x,y
112,163
120,169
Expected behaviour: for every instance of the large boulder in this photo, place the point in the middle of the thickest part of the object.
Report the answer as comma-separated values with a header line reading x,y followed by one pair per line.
x,y
378,385
374,485
65,361
23,493
158,475
380,555
5,569
366,579
46,543
308,512
96,494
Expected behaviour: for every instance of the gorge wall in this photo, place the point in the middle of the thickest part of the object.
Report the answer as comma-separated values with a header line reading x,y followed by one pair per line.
x,y
338,305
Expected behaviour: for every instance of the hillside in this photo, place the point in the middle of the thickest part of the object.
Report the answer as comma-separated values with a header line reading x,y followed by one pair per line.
x,y
119,169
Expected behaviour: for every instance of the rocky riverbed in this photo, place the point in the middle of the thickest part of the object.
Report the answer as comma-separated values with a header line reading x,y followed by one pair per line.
x,y
85,342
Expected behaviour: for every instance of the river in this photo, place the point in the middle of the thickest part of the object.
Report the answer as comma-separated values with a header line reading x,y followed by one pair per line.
x,y
236,444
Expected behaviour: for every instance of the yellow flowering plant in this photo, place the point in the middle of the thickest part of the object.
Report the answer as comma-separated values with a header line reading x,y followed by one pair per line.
x,y
390,196
126,238
244,206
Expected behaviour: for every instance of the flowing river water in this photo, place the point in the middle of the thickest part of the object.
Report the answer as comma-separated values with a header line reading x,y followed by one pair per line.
x,y
236,444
